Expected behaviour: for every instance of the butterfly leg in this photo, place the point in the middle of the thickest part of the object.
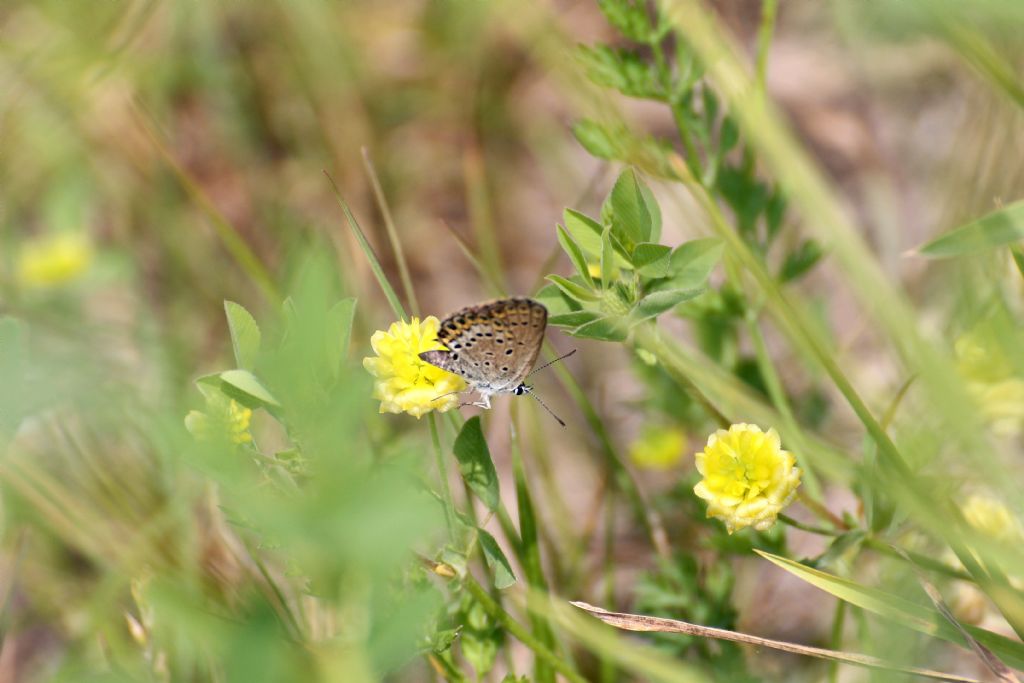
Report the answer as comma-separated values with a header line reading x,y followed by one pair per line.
x,y
484,402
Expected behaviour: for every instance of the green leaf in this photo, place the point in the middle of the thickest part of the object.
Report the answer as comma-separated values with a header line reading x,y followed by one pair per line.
x,y
210,386
1018,258
654,210
626,211
900,610
656,303
608,328
574,319
652,260
629,17
480,650
692,262
800,260
584,230
339,332
607,260
575,254
997,229
573,290
587,233
243,386
624,70
556,301
596,139
476,465
245,334
496,561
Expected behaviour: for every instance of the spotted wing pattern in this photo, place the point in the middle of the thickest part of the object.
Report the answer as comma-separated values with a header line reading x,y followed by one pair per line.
x,y
494,344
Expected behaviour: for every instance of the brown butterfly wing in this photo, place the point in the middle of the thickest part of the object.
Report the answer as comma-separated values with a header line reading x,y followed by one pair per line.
x,y
493,343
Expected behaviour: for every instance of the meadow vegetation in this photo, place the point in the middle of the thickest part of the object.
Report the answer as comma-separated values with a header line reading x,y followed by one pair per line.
x,y
785,239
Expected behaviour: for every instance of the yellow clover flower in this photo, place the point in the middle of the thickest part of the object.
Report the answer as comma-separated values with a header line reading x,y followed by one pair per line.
x,y
992,381
404,382
658,448
748,478
991,517
223,418
53,260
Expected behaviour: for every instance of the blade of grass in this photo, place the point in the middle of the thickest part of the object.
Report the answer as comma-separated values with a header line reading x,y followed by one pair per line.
x,y
540,649
389,225
378,272
898,609
240,251
991,662
532,566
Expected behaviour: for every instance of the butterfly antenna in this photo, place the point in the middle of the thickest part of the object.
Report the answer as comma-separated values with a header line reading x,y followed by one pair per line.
x,y
545,405
450,393
552,362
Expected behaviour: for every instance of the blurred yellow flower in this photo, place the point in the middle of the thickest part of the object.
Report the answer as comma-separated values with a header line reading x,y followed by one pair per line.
x,y
658,448
748,478
404,382
226,418
991,380
991,517
53,260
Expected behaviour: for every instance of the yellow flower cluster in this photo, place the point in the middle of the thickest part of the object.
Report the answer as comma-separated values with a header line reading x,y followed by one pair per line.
x,y
223,419
991,518
405,383
53,260
658,448
747,477
992,381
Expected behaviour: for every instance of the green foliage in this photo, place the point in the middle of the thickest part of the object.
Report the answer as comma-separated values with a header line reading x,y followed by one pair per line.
x,y
997,229
640,279
475,463
263,521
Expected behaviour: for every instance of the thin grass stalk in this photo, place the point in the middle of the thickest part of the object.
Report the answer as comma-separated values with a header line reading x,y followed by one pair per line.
x,y
807,189
442,475
540,649
777,394
532,565
364,245
237,247
836,638
389,225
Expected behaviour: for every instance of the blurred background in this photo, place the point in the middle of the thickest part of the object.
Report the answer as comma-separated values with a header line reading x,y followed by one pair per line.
x,y
158,158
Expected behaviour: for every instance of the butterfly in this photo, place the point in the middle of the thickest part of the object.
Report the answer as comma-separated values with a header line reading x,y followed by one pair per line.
x,y
494,346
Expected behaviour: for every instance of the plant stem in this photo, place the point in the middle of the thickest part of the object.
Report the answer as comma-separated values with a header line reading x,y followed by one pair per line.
x,y
389,225
521,633
821,531
764,39
837,638
442,473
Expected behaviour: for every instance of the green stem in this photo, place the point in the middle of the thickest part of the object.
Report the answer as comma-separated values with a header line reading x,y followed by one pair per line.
x,y
442,473
837,638
521,633
777,394
532,565
389,225
648,338
621,477
923,561
821,531
364,245
764,39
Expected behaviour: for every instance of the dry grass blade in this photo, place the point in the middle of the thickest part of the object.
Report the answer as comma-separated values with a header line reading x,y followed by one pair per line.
x,y
639,622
